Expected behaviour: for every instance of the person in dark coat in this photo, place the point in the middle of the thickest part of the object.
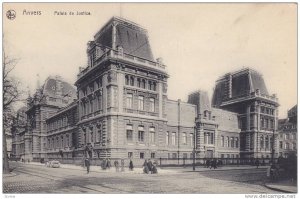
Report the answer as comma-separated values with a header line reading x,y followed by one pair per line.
x,y
154,169
103,164
131,165
116,163
150,165
122,165
256,163
214,163
145,167
87,164
108,164
207,163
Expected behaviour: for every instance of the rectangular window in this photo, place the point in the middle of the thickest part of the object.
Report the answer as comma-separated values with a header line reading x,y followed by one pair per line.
x,y
141,103
129,98
232,142
129,133
192,139
173,138
222,141
174,155
236,142
280,144
130,154
141,133
141,155
152,155
184,155
184,140
167,138
152,134
152,105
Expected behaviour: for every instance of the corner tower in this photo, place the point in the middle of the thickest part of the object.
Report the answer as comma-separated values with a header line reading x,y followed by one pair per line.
x,y
245,93
122,94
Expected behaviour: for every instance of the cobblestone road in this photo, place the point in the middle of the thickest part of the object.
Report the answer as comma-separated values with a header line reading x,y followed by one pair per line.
x,y
30,178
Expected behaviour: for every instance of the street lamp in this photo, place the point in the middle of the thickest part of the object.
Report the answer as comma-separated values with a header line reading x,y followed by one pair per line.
x,y
273,141
194,148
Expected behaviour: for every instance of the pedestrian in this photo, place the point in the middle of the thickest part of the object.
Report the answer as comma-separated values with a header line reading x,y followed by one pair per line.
x,y
150,165
87,164
116,163
214,163
103,164
154,169
145,167
207,163
257,163
108,165
122,165
131,165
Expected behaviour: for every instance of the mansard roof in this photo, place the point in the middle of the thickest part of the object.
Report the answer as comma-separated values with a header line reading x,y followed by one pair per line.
x,y
238,84
51,87
130,36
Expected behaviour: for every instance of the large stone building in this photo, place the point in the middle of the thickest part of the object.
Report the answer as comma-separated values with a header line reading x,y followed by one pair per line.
x,y
245,93
287,130
122,109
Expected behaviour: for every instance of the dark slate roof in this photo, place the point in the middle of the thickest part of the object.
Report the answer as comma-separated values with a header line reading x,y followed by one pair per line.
x,y
50,87
201,100
244,82
131,36
258,82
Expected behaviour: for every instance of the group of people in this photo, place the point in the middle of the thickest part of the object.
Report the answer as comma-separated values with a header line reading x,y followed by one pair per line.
x,y
149,167
106,164
213,163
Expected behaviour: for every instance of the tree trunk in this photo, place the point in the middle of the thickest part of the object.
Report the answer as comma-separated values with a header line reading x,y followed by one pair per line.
x,y
5,157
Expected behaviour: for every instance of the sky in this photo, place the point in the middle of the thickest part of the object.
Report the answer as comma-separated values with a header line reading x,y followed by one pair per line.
x,y
199,42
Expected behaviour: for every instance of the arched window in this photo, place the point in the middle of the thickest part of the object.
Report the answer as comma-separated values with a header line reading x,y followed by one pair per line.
x,y
131,81
262,142
144,84
267,142
127,80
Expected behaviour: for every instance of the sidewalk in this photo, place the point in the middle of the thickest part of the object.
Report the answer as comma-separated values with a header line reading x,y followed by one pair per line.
x,y
222,168
285,186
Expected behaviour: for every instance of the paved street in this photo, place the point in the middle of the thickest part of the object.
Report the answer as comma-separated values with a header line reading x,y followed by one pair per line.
x,y
31,178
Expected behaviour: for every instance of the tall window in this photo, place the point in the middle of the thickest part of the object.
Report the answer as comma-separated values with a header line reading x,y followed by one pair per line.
x,y
287,146
129,133
192,139
222,141
167,138
152,134
267,142
227,142
130,154
184,140
232,142
262,142
152,105
141,134
92,106
262,122
67,140
127,80
129,100
141,102
236,142
131,81
143,84
280,144
92,136
173,138
62,141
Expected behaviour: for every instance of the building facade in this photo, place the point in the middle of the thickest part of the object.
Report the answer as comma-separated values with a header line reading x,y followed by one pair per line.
x,y
121,109
287,134
245,93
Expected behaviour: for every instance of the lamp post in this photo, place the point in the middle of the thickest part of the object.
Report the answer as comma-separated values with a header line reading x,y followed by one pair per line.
x,y
273,141
194,148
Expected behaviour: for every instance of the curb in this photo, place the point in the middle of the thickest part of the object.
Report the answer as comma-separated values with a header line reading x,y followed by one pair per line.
x,y
10,175
229,169
280,190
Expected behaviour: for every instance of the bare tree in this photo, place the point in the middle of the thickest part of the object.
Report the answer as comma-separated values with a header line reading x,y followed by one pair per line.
x,y
11,94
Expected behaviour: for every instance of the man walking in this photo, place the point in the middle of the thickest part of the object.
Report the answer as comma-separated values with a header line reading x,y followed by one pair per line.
x,y
87,164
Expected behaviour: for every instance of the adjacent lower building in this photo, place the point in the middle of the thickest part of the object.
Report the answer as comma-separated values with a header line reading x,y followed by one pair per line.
x,y
120,109
287,134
